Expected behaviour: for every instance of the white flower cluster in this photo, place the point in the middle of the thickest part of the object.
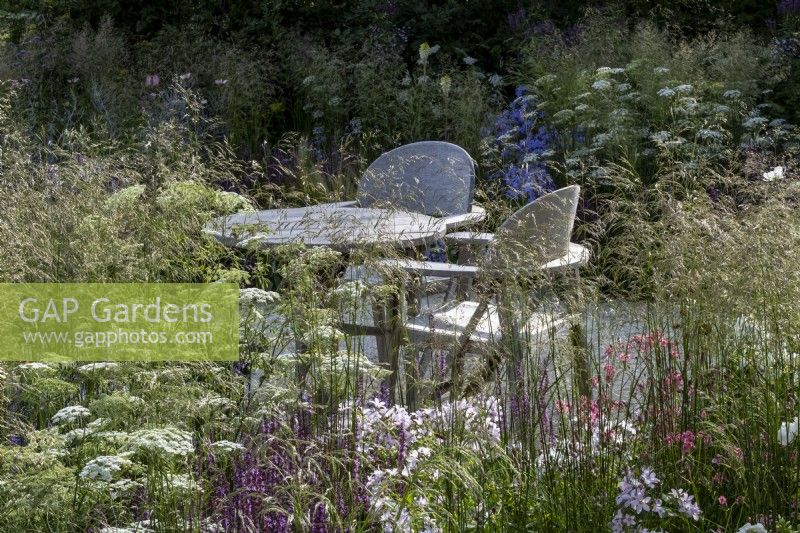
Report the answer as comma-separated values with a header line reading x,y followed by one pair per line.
x,y
601,85
70,414
36,367
98,367
182,483
774,174
753,122
167,441
226,446
252,296
105,467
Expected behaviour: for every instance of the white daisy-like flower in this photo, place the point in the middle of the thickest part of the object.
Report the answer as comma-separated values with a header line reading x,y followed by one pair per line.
x,y
70,414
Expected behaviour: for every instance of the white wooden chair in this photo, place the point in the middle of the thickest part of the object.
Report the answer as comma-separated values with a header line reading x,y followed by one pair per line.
x,y
536,237
434,178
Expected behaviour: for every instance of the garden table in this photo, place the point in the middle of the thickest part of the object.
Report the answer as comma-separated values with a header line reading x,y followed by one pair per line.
x,y
341,228
344,229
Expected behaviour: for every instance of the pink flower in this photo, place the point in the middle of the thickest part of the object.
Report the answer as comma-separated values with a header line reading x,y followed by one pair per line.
x,y
220,82
562,406
723,501
152,80
610,370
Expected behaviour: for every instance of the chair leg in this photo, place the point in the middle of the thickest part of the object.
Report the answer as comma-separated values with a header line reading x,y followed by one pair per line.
x,y
412,375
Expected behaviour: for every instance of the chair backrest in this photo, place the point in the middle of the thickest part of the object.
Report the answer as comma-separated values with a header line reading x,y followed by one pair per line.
x,y
430,177
536,233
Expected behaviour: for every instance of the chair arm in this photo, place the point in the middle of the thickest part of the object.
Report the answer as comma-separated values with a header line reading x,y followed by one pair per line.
x,y
469,238
477,214
430,268
576,257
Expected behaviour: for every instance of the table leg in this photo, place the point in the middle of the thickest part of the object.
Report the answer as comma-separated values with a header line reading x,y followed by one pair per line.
x,y
388,320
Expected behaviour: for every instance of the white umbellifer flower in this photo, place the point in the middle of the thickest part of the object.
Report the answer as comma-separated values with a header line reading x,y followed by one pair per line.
x,y
252,297
581,108
168,440
788,431
232,201
709,134
732,94
722,109
666,92
495,80
70,414
98,367
601,85
777,123
105,467
308,80
601,139
323,333
603,71
470,60
227,446
683,88
774,174
350,291
182,483
753,122
122,486
661,136
215,402
624,87
36,367
660,70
